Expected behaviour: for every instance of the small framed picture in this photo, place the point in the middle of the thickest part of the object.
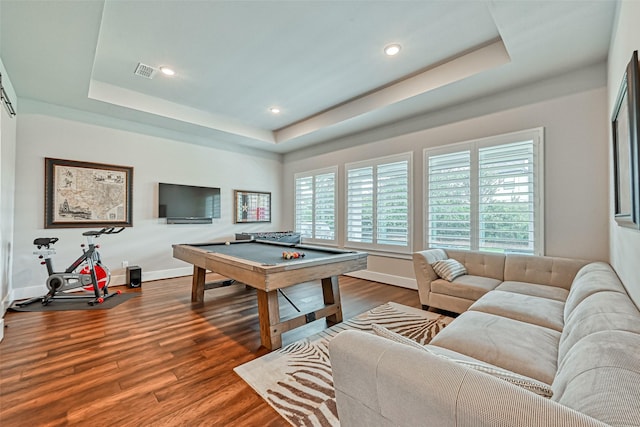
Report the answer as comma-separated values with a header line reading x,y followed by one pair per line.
x,y
252,206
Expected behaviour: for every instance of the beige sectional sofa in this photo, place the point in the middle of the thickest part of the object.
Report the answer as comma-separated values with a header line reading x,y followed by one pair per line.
x,y
488,271
566,326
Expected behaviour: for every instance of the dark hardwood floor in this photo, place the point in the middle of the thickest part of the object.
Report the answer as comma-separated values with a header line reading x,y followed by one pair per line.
x,y
156,359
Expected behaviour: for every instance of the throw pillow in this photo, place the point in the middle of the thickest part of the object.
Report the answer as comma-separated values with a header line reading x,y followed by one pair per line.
x,y
449,269
527,383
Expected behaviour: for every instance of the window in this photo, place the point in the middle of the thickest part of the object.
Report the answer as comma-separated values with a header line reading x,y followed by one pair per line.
x,y
378,208
449,199
315,204
486,195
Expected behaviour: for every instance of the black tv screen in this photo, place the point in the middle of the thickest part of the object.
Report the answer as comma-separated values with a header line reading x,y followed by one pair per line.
x,y
188,203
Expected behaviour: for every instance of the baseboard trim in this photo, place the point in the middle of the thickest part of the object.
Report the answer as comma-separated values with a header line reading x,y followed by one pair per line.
x,y
27,292
5,305
389,279
167,274
148,276
120,279
6,302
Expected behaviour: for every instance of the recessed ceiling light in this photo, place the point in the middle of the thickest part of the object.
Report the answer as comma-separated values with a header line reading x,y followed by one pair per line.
x,y
167,71
274,110
392,49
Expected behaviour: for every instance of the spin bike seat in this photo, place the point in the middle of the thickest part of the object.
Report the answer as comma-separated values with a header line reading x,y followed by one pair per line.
x,y
45,241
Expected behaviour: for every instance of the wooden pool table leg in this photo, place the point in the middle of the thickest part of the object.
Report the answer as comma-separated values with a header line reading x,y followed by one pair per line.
x,y
269,317
197,284
331,295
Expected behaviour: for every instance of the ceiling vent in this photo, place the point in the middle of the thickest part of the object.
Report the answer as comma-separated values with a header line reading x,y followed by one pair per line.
x,y
145,71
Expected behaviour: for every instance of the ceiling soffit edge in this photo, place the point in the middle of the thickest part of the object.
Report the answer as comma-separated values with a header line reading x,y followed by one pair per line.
x,y
105,92
488,55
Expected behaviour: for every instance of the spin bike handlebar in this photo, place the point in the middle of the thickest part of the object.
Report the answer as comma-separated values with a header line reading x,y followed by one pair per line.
x,y
107,230
47,241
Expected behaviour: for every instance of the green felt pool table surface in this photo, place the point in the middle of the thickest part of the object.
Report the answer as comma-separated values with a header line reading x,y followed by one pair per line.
x,y
269,253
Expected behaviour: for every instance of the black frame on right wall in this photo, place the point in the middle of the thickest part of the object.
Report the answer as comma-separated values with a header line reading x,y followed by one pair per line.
x,y
625,124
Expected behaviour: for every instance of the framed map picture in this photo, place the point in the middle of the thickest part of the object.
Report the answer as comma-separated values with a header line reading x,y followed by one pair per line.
x,y
83,194
252,206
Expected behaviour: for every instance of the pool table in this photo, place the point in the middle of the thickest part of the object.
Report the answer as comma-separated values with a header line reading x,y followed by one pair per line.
x,y
260,264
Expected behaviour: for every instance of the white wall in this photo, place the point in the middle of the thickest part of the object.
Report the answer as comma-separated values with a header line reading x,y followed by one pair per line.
x,y
154,159
576,175
625,242
7,187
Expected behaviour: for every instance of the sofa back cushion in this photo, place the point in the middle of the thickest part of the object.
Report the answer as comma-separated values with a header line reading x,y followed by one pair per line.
x,y
592,278
550,271
598,362
599,312
484,264
600,377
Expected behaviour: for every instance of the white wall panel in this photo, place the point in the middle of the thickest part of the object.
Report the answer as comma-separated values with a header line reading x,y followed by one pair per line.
x,y
154,159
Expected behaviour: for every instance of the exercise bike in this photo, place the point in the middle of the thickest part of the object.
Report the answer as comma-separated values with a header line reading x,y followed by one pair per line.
x,y
86,273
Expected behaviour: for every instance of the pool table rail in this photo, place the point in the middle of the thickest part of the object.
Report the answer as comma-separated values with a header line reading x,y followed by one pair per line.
x,y
269,277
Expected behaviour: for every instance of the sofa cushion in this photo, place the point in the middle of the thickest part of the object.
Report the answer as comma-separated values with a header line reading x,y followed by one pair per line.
x,y
595,277
600,377
525,308
530,384
593,267
485,264
520,347
466,286
550,271
601,311
534,289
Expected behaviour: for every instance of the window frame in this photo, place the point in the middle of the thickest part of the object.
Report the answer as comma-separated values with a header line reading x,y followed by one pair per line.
x,y
313,174
536,135
374,246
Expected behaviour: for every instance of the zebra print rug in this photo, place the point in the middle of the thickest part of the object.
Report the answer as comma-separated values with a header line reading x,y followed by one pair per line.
x,y
296,380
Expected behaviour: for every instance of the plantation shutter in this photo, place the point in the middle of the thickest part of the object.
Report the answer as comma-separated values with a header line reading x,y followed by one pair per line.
x,y
487,194
325,206
315,205
449,197
506,205
378,204
304,206
360,205
392,205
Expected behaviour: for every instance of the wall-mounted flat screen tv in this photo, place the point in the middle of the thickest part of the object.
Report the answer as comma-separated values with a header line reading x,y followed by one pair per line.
x,y
188,204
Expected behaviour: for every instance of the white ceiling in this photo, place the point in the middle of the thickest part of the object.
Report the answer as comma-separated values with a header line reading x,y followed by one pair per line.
x,y
320,62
